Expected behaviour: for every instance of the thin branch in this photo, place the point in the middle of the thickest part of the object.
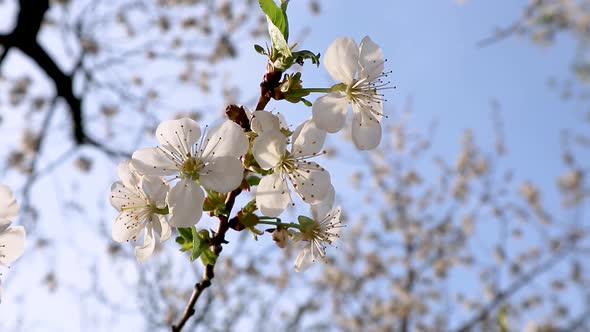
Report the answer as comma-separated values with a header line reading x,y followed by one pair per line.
x,y
502,296
105,149
209,272
500,34
37,153
4,53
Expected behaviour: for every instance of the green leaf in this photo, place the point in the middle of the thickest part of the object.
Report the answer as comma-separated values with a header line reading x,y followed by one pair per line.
x,y
276,16
306,102
305,54
253,180
186,233
185,245
279,42
260,49
208,257
197,245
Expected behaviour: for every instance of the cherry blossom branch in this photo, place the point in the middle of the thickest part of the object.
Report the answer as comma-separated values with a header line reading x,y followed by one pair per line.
x,y
238,115
209,272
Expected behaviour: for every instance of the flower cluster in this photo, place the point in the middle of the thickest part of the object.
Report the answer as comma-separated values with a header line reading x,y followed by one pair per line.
x,y
194,170
12,239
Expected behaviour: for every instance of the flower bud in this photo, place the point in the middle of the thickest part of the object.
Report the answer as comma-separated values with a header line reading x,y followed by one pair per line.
x,y
281,237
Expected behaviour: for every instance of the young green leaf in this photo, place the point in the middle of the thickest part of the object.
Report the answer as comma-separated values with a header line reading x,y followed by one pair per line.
x,y
186,233
305,54
208,257
279,42
260,49
275,15
197,245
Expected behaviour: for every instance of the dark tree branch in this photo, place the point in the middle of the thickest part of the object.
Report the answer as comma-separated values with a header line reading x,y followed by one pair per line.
x,y
24,37
63,85
5,50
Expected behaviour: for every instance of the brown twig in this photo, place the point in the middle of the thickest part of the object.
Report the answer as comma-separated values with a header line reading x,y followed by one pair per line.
x,y
209,273
270,81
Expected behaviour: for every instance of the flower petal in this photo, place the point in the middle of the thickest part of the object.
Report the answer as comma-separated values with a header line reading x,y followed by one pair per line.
x,y
263,120
127,175
308,139
185,203
323,207
329,111
311,185
155,161
269,148
123,197
163,228
128,225
12,244
179,135
341,59
366,130
370,59
223,174
8,204
142,253
304,260
272,195
155,189
228,139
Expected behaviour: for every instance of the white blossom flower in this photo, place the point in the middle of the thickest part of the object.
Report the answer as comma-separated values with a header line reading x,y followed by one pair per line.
x,y
211,161
281,237
141,201
8,204
323,228
12,239
309,180
360,69
263,120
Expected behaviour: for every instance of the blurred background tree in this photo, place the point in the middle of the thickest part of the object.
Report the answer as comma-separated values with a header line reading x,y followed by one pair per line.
x,y
434,241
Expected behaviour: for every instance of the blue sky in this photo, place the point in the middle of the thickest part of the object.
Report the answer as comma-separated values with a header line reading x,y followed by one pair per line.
x,y
432,53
